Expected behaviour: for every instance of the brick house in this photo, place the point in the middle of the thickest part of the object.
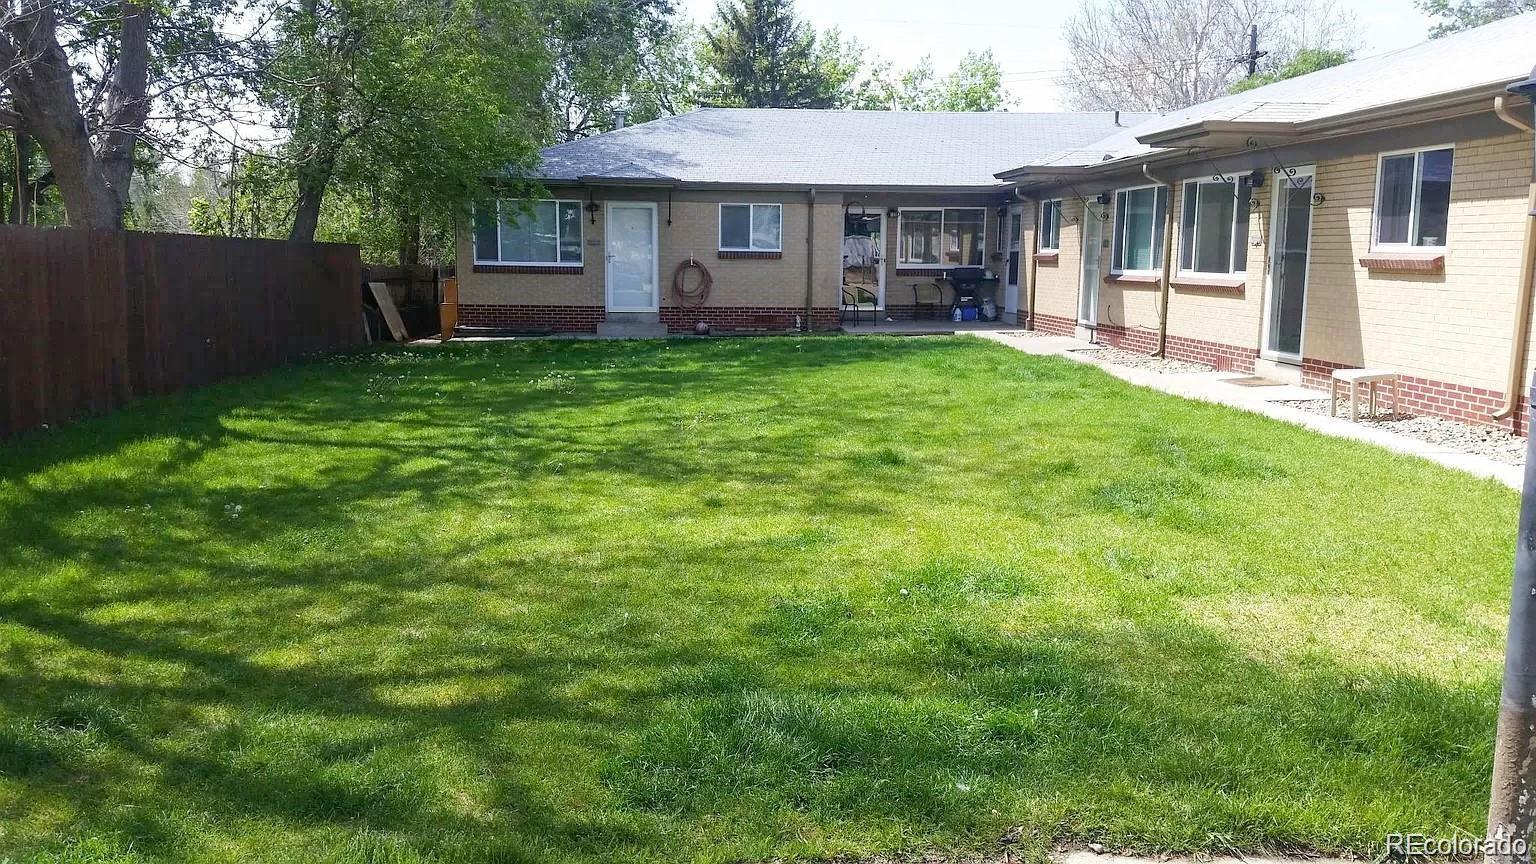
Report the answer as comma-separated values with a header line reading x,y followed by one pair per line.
x,y
764,199
1369,215
1372,214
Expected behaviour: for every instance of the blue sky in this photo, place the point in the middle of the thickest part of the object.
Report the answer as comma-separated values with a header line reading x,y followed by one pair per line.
x,y
1024,34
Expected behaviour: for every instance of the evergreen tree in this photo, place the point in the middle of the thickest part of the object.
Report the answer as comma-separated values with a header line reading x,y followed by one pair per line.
x,y
759,54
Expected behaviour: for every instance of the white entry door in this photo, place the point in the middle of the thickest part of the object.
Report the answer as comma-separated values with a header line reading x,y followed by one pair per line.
x,y
1093,243
1290,249
631,275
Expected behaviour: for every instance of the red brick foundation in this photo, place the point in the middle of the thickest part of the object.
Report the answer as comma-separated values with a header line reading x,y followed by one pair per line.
x,y
1056,325
767,318
1217,355
585,319
1431,398
540,319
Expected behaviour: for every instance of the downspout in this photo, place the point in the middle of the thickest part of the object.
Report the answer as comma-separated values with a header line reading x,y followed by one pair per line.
x,y
1166,282
1522,330
810,255
1034,252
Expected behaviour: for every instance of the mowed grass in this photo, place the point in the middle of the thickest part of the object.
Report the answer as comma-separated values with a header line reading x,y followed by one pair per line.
x,y
730,601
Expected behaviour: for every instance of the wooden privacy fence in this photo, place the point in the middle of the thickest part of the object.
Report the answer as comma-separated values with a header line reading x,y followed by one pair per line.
x,y
415,292
92,319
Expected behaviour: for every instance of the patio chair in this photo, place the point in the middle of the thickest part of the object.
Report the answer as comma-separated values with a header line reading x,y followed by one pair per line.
x,y
927,297
856,300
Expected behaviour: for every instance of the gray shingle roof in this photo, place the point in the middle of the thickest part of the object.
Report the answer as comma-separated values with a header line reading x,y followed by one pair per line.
x,y
1493,54
738,146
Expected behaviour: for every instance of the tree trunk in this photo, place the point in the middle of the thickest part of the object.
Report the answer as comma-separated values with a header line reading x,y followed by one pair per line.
x,y
88,196
410,238
94,187
127,106
21,201
314,177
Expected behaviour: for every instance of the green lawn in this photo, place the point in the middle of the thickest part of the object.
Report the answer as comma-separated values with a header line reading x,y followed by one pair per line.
x,y
730,601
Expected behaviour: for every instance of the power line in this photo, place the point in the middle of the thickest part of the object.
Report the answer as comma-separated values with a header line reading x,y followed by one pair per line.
x,y
1162,65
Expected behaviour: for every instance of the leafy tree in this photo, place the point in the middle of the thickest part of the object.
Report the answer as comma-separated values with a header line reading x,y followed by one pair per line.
x,y
1306,61
1147,55
424,100
667,82
759,54
1465,14
83,77
976,84
602,50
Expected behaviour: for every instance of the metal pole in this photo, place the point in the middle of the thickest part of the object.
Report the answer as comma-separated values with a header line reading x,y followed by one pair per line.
x,y
1510,808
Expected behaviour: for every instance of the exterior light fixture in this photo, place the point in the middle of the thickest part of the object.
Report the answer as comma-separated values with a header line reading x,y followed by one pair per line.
x,y
592,208
1526,88
1104,198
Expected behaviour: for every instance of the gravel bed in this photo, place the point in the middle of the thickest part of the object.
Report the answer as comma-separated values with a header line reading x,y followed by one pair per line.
x,y
1133,360
1496,444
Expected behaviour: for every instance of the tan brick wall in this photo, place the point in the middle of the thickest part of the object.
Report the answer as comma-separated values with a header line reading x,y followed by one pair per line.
x,y
1222,315
1452,327
1056,282
694,231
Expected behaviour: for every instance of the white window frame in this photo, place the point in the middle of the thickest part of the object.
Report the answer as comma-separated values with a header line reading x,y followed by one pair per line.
x,y
1044,205
901,217
751,211
581,239
1240,216
1413,207
1157,225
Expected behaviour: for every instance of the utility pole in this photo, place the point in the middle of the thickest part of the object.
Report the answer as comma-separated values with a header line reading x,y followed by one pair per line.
x,y
1254,54
1510,805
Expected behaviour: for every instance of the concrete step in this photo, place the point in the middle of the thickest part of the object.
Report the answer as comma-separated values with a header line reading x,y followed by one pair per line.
x,y
632,325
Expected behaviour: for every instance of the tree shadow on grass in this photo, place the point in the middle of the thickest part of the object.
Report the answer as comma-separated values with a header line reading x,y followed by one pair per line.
x,y
1159,736
461,605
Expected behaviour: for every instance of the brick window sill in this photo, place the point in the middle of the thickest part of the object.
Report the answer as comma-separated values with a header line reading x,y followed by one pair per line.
x,y
742,254
1133,280
1047,257
1404,262
1221,284
550,270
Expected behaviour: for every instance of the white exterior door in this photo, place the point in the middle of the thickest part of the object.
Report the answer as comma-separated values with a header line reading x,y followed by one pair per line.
x,y
1093,243
1290,250
1014,234
631,275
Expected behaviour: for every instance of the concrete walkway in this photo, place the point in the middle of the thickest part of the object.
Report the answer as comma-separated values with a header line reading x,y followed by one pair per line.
x,y
1212,387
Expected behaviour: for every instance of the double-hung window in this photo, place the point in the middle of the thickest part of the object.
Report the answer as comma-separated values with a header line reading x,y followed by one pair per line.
x,y
1215,227
1050,225
941,236
1138,241
1413,198
547,233
751,228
